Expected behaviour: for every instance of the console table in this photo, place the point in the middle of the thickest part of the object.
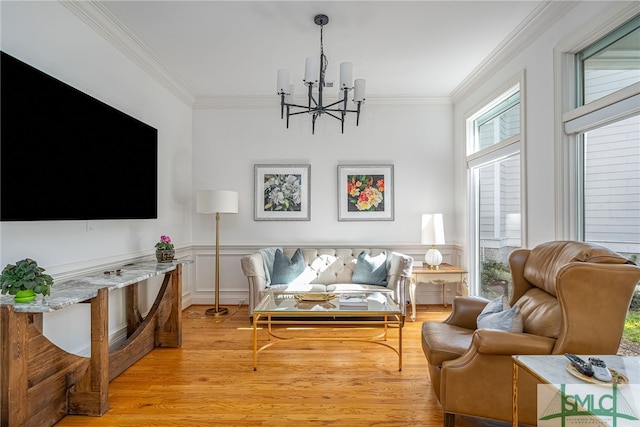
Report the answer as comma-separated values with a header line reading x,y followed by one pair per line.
x,y
446,273
41,383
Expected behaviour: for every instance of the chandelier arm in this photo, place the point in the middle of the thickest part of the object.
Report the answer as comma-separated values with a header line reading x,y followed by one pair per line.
x,y
304,107
339,110
288,114
302,112
335,103
282,104
333,115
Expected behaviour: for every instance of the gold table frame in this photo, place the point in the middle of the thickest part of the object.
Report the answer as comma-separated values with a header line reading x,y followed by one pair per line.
x,y
392,316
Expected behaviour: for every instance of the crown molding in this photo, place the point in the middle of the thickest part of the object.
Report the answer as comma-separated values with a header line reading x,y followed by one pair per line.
x,y
538,21
98,18
259,102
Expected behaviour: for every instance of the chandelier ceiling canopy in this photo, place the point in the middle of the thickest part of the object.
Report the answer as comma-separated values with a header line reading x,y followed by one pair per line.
x,y
314,78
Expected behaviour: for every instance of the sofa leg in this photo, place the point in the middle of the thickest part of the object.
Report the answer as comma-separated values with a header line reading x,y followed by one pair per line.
x,y
449,420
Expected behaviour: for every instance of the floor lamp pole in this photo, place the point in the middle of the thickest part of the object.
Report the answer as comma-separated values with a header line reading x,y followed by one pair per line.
x,y
217,310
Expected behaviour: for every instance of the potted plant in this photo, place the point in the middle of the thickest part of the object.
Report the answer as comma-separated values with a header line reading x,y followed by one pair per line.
x,y
164,249
24,280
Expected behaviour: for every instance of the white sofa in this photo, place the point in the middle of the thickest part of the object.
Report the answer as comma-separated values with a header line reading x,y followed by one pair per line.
x,y
328,270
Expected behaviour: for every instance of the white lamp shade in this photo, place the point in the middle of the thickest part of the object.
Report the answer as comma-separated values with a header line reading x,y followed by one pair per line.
x,y
283,81
359,89
312,69
216,201
432,229
346,75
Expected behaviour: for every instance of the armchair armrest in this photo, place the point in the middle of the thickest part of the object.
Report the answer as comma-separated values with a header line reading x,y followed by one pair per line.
x,y
494,342
465,311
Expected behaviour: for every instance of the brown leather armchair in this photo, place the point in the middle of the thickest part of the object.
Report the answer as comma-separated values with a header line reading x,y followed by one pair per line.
x,y
573,297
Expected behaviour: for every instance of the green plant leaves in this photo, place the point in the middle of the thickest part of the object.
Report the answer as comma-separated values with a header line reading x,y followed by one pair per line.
x,y
25,274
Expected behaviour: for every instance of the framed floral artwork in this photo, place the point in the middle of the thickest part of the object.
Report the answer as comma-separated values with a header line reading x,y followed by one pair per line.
x,y
282,193
365,193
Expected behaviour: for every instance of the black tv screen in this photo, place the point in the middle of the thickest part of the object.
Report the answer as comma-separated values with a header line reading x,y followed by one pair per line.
x,y
65,155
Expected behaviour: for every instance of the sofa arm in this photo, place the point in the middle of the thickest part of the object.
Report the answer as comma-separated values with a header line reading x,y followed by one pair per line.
x,y
495,342
253,269
465,311
398,274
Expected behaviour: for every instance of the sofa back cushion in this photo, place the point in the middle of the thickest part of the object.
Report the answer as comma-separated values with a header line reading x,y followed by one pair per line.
x,y
547,259
329,266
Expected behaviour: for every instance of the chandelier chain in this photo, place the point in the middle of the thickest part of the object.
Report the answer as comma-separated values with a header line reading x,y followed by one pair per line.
x,y
324,61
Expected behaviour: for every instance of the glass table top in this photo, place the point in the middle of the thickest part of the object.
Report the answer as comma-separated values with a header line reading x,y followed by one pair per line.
x,y
370,302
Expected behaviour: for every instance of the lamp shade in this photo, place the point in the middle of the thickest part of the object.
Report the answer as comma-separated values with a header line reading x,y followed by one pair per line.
x,y
216,201
432,229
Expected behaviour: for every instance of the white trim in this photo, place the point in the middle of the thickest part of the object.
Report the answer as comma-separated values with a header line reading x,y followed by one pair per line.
x,y
529,30
259,102
98,18
611,108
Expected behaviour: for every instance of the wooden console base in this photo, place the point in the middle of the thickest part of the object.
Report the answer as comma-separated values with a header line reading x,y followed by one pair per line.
x,y
41,383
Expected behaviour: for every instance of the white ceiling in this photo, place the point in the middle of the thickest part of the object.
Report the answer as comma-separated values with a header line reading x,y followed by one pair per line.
x,y
405,48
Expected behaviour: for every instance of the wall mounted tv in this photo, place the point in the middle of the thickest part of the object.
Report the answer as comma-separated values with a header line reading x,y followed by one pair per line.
x,y
64,155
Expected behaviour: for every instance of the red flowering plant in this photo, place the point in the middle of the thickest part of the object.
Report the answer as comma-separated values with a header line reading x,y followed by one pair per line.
x,y
365,193
164,243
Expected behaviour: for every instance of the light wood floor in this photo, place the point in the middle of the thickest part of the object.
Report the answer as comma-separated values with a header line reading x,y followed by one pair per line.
x,y
210,381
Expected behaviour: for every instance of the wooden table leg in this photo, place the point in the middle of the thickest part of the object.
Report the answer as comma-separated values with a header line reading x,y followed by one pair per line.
x,y
90,396
515,396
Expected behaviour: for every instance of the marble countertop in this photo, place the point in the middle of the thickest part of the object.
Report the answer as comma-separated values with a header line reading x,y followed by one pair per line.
x,y
82,288
553,369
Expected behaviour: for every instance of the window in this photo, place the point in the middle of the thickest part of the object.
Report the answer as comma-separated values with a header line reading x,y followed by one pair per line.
x,y
494,168
605,130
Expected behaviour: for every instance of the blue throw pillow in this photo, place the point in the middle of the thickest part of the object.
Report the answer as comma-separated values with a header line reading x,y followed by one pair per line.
x,y
286,270
498,315
370,270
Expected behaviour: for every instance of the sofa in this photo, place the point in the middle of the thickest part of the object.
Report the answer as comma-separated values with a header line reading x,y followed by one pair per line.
x,y
567,297
328,270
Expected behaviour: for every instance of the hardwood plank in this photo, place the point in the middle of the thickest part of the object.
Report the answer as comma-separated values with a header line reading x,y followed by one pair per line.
x,y
210,381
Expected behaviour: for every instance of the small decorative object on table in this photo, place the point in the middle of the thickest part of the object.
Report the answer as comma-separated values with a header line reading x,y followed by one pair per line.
x,y
164,249
24,280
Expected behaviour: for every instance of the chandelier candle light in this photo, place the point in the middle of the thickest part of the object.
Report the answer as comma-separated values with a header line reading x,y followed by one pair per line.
x,y
433,234
314,76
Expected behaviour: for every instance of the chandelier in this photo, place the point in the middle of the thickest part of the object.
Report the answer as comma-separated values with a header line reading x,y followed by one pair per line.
x,y
314,76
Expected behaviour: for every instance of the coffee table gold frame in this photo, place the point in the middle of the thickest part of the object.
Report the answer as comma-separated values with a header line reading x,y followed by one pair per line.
x,y
383,318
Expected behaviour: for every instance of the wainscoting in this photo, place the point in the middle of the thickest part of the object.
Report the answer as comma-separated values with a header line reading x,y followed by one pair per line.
x,y
233,284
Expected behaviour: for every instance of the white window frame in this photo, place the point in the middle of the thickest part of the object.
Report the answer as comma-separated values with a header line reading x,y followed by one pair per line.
x,y
502,150
568,157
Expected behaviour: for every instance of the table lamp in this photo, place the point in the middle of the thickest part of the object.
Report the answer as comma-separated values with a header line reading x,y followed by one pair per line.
x,y
210,202
433,234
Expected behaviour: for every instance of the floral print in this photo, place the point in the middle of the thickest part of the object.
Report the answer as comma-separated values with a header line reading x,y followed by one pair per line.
x,y
365,193
283,192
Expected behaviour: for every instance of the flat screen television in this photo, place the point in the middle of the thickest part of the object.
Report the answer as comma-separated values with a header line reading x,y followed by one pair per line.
x,y
65,155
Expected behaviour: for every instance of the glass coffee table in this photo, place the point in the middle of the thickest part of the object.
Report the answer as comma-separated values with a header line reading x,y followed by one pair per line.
x,y
345,309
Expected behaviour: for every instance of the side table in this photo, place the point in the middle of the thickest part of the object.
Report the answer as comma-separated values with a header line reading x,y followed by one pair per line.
x,y
552,369
445,274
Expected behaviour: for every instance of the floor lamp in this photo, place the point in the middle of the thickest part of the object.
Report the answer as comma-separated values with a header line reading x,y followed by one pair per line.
x,y
217,202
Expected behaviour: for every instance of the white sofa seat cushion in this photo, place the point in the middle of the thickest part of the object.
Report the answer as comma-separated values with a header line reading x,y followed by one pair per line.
x,y
350,287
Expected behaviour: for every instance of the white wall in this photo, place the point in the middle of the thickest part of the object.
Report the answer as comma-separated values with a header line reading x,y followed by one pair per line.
x,y
542,119
49,37
228,142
